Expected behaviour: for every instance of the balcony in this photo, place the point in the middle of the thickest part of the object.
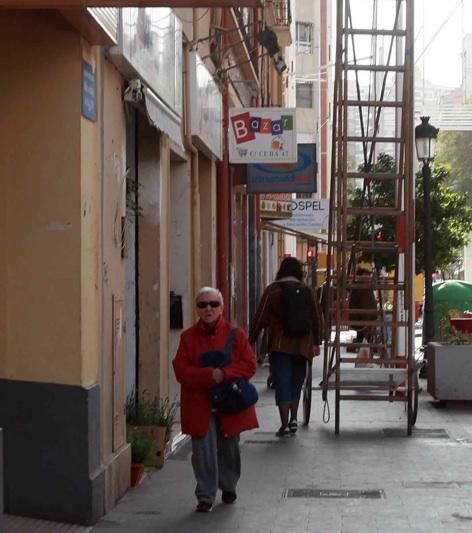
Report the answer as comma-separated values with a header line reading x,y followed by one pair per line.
x,y
277,15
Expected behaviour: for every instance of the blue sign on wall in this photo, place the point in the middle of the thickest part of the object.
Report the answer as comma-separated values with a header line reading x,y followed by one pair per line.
x,y
89,91
285,177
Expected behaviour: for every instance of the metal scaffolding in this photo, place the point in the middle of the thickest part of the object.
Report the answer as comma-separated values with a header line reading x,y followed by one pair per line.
x,y
372,207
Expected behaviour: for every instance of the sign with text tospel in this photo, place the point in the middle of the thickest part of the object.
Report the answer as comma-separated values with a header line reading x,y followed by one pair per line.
x,y
308,214
262,135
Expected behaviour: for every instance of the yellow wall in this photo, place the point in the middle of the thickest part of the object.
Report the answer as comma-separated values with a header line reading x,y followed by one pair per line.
x,y
40,234
90,216
112,374
150,259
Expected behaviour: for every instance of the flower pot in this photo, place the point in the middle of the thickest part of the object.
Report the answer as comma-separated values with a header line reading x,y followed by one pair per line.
x,y
137,471
449,370
159,436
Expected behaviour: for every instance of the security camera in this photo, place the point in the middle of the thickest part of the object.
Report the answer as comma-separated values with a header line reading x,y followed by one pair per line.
x,y
134,91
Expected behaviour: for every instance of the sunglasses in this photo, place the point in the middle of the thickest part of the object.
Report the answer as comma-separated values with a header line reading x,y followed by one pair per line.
x,y
213,303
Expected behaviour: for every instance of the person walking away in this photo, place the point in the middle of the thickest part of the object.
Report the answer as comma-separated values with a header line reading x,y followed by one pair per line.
x,y
362,298
216,459
290,315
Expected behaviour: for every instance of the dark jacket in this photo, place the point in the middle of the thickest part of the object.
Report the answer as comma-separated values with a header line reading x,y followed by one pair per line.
x,y
268,317
362,298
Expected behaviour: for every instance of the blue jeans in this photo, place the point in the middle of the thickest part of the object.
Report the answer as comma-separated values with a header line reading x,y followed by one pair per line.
x,y
288,372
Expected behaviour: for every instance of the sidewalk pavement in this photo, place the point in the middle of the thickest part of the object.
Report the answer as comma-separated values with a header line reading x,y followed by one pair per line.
x,y
308,483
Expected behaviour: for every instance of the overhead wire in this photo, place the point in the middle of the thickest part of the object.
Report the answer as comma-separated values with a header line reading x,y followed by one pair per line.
x,y
438,31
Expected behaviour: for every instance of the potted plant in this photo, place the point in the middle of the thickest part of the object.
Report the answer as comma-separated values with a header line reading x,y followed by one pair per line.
x,y
153,416
165,419
141,444
450,365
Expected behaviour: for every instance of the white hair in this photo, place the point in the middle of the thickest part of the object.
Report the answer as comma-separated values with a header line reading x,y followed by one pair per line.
x,y
212,290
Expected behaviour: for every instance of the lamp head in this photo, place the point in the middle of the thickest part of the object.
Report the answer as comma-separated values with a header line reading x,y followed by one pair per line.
x,y
425,139
279,64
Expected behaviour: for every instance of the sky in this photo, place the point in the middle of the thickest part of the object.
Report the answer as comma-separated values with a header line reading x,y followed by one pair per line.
x,y
442,60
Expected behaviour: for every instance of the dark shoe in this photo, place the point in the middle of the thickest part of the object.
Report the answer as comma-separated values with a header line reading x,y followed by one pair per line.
x,y
203,507
229,497
284,432
293,426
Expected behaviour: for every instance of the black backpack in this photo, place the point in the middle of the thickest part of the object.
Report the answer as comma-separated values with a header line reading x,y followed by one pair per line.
x,y
297,308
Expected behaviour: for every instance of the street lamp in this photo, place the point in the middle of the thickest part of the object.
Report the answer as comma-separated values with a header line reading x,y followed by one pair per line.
x,y
425,140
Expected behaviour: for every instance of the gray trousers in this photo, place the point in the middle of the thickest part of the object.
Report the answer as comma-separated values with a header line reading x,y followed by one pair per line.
x,y
216,462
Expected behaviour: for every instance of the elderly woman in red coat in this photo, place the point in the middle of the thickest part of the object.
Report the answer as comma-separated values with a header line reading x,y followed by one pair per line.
x,y
216,456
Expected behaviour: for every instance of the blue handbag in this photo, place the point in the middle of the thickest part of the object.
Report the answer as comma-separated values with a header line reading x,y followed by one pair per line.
x,y
230,396
233,396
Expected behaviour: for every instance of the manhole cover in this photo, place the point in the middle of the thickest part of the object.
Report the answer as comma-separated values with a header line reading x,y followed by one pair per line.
x,y
334,493
429,484
462,517
266,441
435,484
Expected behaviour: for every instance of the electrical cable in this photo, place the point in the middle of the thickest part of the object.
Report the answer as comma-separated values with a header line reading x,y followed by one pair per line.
x,y
445,21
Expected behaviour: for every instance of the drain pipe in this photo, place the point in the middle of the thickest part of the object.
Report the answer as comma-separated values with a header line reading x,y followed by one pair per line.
x,y
194,171
224,199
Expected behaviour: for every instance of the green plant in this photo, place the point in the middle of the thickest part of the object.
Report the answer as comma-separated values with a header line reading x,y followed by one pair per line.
x,y
141,411
458,337
451,216
150,411
141,445
133,207
166,413
451,334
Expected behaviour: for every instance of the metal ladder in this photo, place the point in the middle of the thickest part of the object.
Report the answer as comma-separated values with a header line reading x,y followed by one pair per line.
x,y
372,115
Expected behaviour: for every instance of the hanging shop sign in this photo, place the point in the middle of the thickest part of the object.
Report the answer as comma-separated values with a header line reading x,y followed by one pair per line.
x,y
275,206
285,177
206,109
262,135
308,214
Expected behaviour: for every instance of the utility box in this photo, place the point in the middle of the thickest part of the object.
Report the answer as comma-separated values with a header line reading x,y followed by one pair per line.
x,y
449,371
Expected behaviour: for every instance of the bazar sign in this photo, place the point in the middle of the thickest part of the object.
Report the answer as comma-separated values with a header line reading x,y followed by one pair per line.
x,y
285,177
262,135
308,214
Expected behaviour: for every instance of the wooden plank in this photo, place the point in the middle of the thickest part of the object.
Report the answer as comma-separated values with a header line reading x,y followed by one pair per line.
x,y
374,175
369,32
61,4
374,103
374,210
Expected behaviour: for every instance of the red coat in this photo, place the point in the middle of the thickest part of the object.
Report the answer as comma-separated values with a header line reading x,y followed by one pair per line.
x,y
196,381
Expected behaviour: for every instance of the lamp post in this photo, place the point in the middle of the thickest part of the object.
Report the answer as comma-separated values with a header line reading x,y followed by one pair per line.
x,y
425,140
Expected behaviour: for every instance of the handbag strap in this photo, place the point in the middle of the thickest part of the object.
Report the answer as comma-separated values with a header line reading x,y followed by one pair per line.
x,y
228,349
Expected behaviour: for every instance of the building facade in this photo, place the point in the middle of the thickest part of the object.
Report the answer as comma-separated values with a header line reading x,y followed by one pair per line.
x,y
117,202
